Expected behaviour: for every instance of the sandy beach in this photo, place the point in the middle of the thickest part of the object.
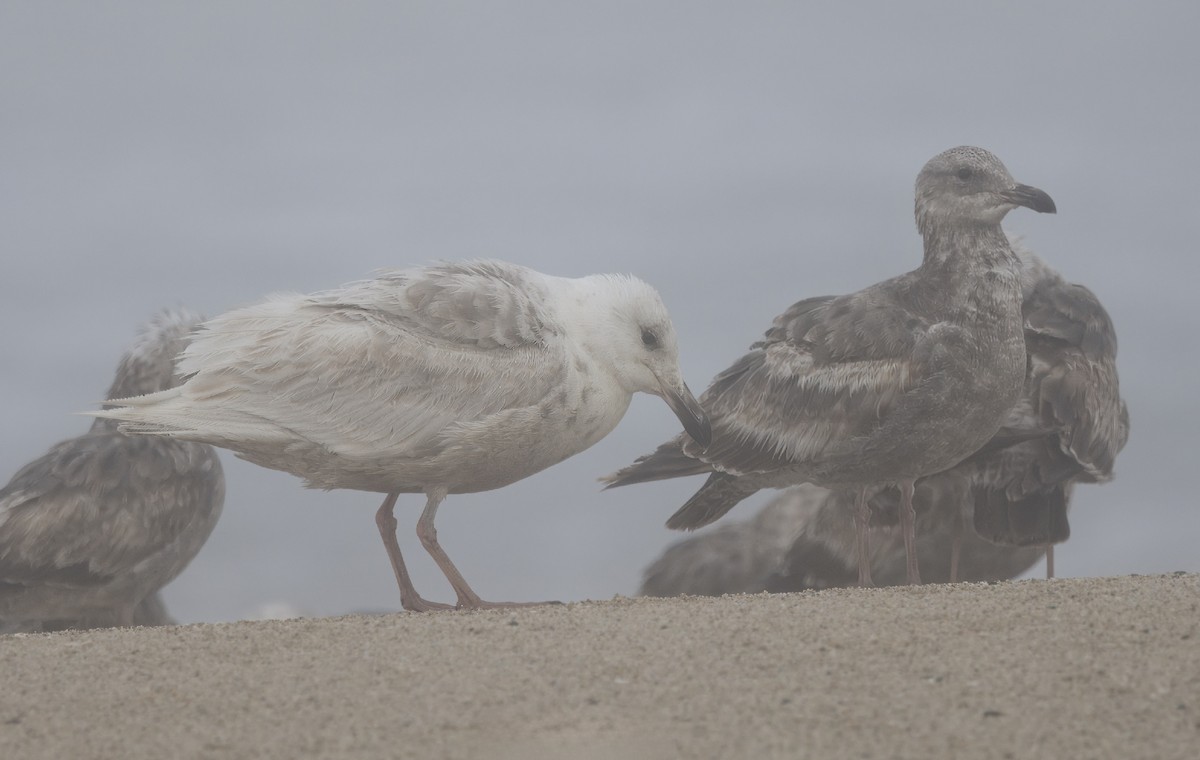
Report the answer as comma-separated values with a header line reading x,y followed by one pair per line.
x,y
1080,668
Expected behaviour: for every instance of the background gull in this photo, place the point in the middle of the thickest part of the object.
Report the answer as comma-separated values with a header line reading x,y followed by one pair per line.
x,y
736,557
90,531
902,379
456,378
1069,426
816,548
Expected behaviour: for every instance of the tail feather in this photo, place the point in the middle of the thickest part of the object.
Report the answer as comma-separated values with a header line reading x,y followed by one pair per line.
x,y
668,461
719,494
156,414
1039,518
148,399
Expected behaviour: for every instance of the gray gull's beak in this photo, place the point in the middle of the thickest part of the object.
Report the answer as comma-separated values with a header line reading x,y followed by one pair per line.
x,y
689,412
1030,197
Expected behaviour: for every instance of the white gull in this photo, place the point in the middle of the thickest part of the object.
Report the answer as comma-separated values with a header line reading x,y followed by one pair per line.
x,y
456,378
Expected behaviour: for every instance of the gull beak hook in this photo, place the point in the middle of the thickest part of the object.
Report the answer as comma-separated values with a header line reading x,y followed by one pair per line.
x,y
1030,197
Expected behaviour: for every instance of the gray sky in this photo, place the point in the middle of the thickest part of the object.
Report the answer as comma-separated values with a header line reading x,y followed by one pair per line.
x,y
738,156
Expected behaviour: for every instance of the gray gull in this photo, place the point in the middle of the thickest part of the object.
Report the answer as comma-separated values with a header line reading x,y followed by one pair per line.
x,y
902,379
456,378
732,558
1068,428
90,531
811,545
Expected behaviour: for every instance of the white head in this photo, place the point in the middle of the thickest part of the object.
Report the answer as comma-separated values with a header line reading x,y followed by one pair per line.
x,y
635,337
968,186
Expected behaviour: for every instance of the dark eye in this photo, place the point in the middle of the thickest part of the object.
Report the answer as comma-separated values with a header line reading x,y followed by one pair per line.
x,y
964,173
649,339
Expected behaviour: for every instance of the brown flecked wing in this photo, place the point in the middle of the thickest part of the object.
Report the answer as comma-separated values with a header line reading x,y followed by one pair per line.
x,y
829,369
94,507
1073,381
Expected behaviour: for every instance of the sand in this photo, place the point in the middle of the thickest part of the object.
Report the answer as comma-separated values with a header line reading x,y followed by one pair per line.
x,y
1081,668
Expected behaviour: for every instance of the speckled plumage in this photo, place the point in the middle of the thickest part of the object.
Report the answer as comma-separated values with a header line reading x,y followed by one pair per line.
x,y
456,378
95,527
1070,424
1067,428
902,379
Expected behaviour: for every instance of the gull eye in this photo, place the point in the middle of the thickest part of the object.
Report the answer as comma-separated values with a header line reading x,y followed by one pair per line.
x,y
649,339
964,173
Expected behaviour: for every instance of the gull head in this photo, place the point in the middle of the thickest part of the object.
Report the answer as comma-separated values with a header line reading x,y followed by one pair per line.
x,y
639,343
968,187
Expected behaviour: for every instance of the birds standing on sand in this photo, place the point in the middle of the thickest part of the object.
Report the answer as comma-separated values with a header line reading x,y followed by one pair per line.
x,y
1067,428
900,380
457,378
467,377
90,531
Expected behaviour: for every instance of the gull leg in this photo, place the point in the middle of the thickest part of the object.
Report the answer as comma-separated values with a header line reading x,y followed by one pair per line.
x,y
862,522
467,598
908,522
409,598
1049,561
125,616
956,544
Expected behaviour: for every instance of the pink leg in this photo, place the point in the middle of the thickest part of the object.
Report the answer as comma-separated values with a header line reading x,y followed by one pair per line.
x,y
1049,561
409,598
956,545
908,523
467,598
862,524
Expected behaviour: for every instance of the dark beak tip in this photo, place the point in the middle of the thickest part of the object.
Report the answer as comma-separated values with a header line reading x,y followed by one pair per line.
x,y
689,411
1044,204
1033,198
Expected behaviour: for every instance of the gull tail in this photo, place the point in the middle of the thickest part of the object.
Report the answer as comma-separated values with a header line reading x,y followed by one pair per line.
x,y
668,461
138,414
168,413
1037,519
719,494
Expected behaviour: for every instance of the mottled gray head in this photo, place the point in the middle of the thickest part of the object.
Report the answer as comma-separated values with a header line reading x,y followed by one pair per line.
x,y
966,187
149,364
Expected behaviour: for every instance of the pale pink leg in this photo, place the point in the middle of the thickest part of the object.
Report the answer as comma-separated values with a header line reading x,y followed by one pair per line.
x,y
1049,561
467,598
956,545
409,598
908,523
862,524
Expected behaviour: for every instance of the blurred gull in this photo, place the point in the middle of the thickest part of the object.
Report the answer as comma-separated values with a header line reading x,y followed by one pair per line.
x,y
883,386
735,557
94,528
457,378
1068,428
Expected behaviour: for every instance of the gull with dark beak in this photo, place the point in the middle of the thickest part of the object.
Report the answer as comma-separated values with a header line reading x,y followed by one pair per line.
x,y
903,379
456,378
